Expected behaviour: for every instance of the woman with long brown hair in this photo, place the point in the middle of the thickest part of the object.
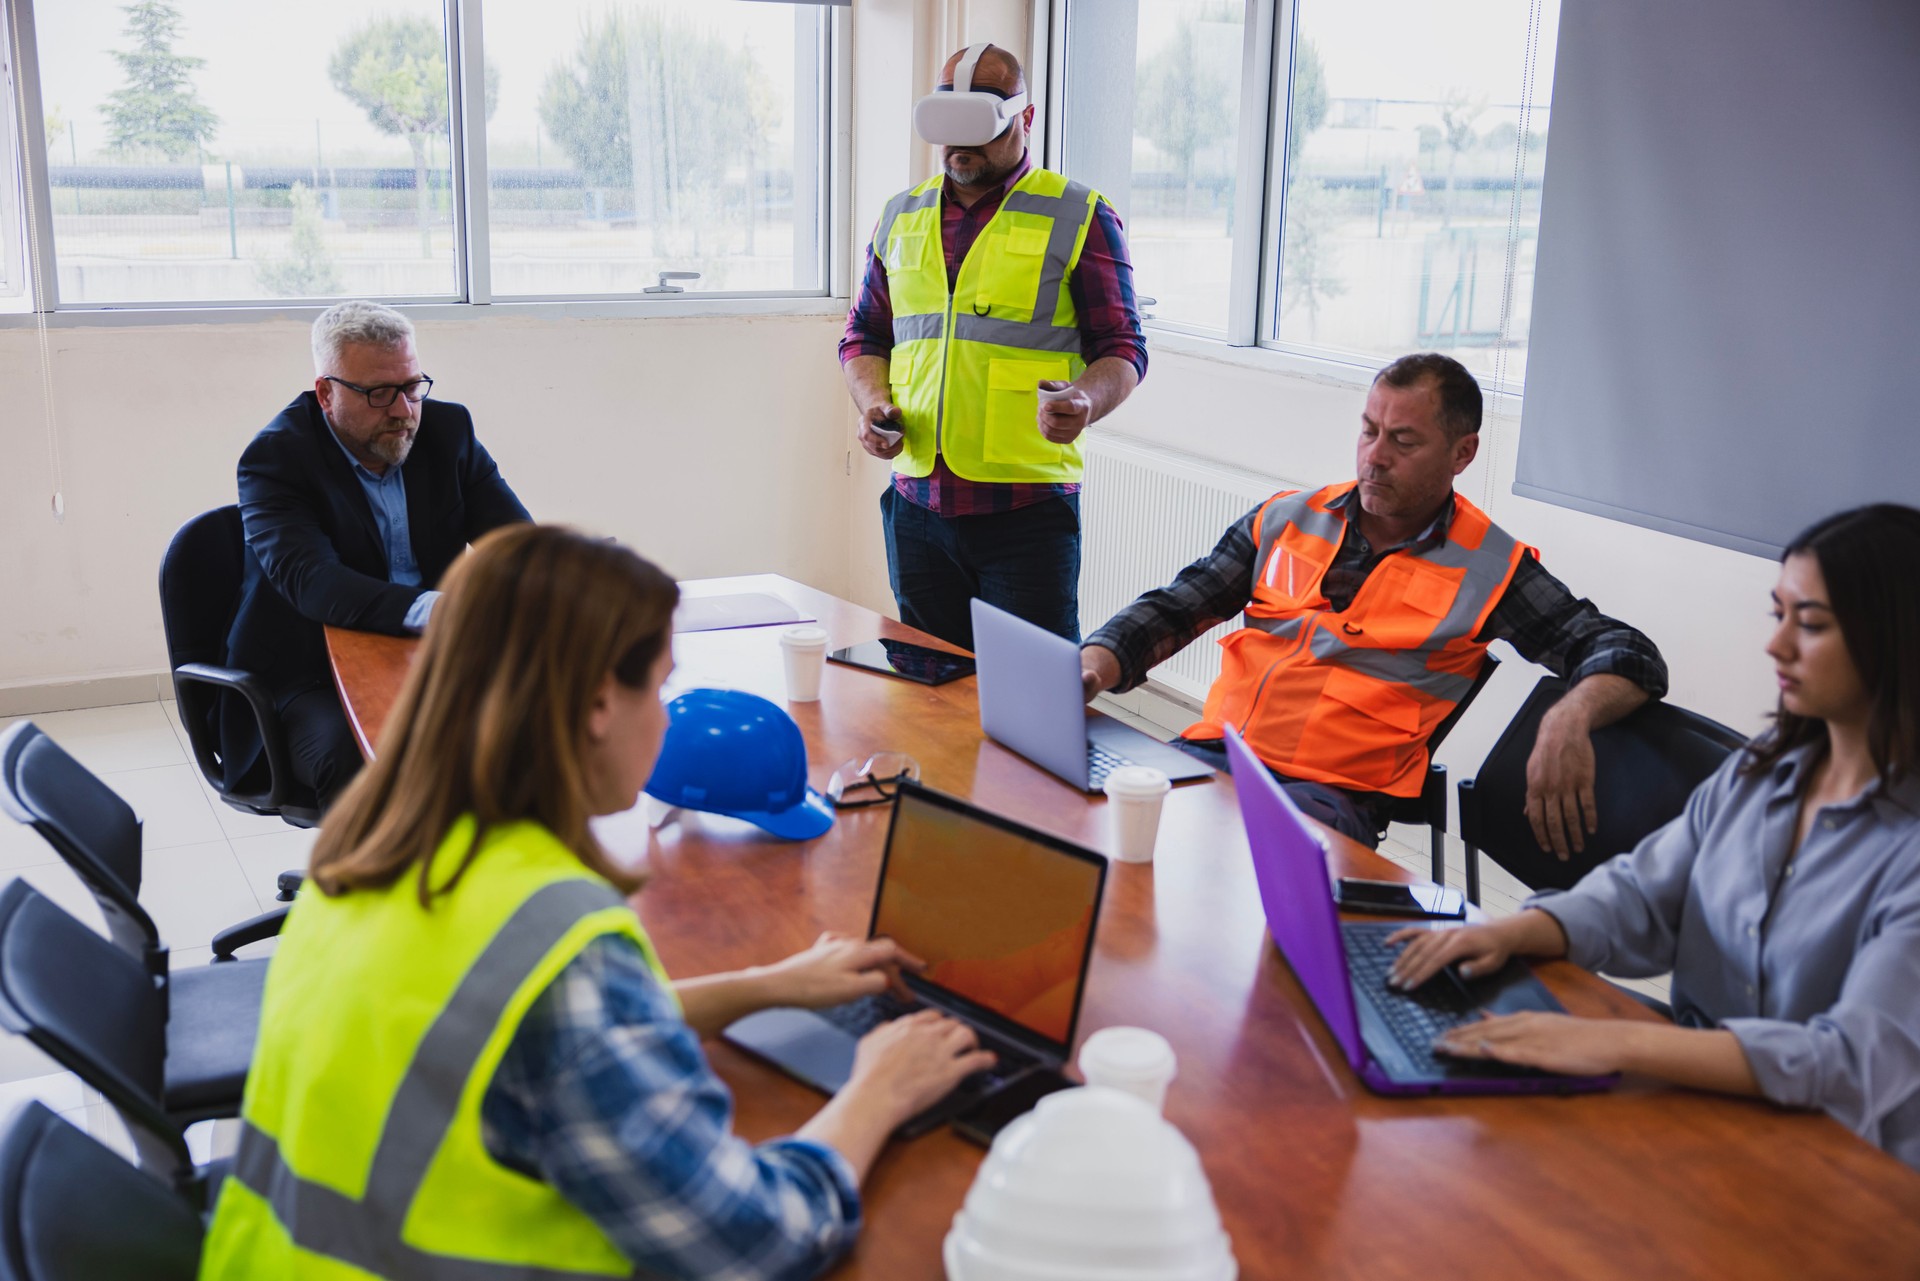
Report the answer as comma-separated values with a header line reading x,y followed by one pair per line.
x,y
471,1063
1786,898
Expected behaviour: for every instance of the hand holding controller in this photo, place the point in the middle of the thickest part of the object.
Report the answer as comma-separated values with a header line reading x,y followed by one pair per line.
x,y
1064,411
881,431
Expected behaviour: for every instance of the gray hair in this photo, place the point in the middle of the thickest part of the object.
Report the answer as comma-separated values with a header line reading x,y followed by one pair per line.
x,y
358,321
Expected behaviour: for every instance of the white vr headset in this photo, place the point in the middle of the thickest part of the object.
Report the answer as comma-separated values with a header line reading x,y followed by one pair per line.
x,y
964,116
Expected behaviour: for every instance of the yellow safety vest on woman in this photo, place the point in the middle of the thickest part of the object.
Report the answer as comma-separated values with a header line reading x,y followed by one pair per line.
x,y
383,1023
967,364
1350,698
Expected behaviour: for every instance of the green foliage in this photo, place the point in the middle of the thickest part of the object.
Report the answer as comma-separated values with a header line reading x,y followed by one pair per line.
x,y
307,270
1308,109
1186,100
693,96
157,112
1307,276
1307,256
395,70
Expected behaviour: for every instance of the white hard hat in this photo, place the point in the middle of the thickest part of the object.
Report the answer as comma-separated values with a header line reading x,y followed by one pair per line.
x,y
1092,1184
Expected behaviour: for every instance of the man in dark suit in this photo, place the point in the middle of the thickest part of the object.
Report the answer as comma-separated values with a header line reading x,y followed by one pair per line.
x,y
355,500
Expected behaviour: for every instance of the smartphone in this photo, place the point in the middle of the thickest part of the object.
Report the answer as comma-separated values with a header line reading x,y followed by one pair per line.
x,y
907,660
1013,1100
1395,899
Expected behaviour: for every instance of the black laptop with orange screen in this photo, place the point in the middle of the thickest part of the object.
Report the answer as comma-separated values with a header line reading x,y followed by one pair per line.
x,y
1004,917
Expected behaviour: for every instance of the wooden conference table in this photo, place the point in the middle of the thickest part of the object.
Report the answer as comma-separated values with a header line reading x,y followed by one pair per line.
x,y
1314,1176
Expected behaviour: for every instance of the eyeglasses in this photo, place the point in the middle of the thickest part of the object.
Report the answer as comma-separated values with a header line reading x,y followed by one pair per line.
x,y
882,772
382,396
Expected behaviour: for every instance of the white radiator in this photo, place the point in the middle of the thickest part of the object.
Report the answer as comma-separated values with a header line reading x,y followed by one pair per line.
x,y
1146,513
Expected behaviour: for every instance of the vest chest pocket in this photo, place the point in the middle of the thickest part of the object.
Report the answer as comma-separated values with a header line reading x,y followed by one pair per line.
x,y
904,251
1013,410
1010,275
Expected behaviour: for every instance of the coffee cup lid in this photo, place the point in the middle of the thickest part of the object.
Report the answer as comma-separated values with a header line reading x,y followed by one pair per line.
x,y
804,636
1137,780
1127,1053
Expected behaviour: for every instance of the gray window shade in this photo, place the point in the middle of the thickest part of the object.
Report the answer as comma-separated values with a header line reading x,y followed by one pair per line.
x,y
1726,313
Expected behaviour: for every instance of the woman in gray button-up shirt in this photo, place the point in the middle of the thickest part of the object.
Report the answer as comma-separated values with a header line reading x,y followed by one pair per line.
x,y
1786,898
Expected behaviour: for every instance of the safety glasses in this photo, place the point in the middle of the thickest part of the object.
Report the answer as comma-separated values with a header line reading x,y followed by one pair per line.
x,y
858,783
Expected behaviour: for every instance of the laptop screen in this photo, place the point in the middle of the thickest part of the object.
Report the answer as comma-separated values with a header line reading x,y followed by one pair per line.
x,y
1291,870
1002,915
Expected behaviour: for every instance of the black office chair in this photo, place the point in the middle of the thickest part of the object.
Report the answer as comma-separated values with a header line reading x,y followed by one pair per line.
x,y
91,828
1646,765
199,593
1430,807
94,1010
71,1210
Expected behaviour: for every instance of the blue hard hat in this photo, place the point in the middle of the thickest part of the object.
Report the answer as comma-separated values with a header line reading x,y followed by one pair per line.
x,y
734,753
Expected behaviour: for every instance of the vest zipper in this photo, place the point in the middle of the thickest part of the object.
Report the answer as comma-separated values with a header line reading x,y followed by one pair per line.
x,y
1305,633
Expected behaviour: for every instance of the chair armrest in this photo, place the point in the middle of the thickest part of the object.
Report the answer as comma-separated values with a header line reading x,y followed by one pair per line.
x,y
290,883
194,685
264,926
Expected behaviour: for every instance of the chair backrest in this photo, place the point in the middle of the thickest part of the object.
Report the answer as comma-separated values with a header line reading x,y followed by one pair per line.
x,y
93,1010
71,1210
1646,765
200,586
87,824
1488,665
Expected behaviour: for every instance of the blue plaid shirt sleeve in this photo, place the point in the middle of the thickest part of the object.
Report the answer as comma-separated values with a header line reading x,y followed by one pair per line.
x,y
605,1093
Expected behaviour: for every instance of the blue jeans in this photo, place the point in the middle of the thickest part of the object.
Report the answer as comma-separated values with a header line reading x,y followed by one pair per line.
x,y
1026,561
1361,816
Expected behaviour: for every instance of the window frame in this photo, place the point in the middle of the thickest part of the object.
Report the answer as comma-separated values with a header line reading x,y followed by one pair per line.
x,y
466,45
1266,99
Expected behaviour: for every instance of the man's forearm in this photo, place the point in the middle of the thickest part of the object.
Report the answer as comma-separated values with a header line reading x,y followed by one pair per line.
x,y
1107,381
1597,701
867,381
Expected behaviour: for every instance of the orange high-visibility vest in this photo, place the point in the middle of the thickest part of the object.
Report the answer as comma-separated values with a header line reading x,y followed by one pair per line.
x,y
1350,698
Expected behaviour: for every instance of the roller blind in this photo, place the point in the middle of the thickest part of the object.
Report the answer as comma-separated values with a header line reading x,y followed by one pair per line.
x,y
1726,313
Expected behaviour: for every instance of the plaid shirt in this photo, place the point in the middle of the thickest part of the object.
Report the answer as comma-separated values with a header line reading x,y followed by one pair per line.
x,y
1537,615
605,1095
1101,285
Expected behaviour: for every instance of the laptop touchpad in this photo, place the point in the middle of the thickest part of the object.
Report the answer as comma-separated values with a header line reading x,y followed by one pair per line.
x,y
801,1042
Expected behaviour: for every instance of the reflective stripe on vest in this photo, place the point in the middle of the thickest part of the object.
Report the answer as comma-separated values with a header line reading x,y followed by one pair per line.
x,y
967,361
1350,698
366,1232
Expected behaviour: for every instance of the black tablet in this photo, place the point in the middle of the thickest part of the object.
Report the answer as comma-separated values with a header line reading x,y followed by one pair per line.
x,y
904,659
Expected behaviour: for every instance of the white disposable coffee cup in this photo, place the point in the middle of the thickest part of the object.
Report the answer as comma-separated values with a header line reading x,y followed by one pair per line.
x,y
1133,1059
1134,796
805,651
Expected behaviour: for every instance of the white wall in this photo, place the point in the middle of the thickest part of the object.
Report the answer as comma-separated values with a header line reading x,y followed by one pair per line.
x,y
712,445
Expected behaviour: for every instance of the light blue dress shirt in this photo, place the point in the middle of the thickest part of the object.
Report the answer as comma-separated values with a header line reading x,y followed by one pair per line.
x,y
387,496
1811,958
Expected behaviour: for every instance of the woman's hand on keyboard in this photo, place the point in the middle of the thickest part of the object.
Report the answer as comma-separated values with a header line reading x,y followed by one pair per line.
x,y
910,1063
1550,1042
1478,949
840,968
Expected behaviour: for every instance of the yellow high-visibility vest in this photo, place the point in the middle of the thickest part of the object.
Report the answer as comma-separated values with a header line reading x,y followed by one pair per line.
x,y
966,365
383,1022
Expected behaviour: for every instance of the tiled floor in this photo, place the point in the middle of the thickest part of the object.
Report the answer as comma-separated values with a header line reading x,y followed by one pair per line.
x,y
206,867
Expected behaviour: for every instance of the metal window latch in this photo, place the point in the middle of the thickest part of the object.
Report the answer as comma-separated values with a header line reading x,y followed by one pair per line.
x,y
1144,302
664,288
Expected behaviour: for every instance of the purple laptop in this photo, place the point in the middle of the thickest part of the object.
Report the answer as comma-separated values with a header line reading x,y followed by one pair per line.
x,y
1386,1034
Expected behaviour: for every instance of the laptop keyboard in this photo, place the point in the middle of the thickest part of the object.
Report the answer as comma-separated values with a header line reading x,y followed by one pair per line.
x,y
1415,1017
857,1018
1102,761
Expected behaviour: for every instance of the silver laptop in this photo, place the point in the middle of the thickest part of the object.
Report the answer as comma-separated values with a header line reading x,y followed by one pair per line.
x,y
1031,702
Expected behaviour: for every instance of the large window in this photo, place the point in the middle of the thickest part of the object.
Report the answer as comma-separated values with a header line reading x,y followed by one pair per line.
x,y
222,151
1398,184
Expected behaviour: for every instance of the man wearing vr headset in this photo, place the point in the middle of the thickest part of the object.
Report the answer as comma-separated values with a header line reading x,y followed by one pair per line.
x,y
995,321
